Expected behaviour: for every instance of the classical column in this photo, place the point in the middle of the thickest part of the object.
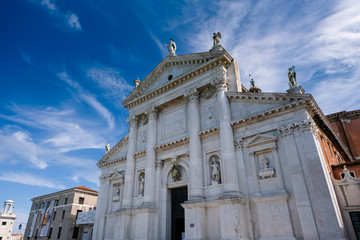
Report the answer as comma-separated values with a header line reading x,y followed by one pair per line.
x,y
195,160
231,183
102,206
130,164
149,196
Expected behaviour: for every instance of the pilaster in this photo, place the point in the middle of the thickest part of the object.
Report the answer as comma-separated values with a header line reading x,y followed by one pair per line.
x,y
195,161
231,183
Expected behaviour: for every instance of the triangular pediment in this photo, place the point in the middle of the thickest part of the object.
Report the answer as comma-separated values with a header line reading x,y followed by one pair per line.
x,y
117,175
173,68
117,153
260,139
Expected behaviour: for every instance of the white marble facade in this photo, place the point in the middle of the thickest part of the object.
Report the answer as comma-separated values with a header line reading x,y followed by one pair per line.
x,y
251,162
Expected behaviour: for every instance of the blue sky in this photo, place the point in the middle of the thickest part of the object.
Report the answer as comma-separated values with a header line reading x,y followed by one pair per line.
x,y
66,66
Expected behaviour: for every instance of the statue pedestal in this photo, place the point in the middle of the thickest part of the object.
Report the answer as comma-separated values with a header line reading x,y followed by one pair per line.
x,y
295,89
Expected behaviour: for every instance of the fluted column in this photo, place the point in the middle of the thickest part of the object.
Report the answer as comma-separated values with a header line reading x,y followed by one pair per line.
x,y
231,183
130,163
195,160
149,196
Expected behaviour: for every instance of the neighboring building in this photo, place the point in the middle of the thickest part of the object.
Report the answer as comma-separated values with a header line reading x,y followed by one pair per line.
x,y
17,236
206,159
347,126
53,216
7,219
86,222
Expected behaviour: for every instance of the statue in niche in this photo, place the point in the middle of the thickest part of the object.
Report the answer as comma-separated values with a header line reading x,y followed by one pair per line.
x,y
216,38
292,76
141,184
107,147
117,191
171,47
215,165
175,173
266,172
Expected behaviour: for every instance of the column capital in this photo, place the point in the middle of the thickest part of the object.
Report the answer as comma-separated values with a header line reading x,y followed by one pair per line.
x,y
192,95
220,81
133,121
152,113
159,164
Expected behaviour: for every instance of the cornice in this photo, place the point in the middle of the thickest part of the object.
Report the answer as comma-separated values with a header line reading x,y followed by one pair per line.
x,y
140,153
275,111
277,97
116,161
209,131
174,143
220,60
323,123
107,155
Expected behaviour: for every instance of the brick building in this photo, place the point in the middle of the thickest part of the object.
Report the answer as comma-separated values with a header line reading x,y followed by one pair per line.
x,y
53,216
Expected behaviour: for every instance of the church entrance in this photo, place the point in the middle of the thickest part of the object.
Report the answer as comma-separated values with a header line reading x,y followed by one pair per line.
x,y
178,196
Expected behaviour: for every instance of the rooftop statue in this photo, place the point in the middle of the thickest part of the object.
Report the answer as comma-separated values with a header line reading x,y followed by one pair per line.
x,y
107,147
292,76
216,38
171,47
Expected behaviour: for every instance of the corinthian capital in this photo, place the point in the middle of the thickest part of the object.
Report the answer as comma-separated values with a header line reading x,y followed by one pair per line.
x,y
221,82
133,121
192,95
153,113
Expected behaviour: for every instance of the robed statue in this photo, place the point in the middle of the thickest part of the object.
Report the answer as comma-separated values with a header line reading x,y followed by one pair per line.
x,y
292,76
216,38
171,47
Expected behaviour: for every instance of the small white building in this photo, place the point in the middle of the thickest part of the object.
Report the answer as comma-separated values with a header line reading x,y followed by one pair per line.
x,y
7,219
207,159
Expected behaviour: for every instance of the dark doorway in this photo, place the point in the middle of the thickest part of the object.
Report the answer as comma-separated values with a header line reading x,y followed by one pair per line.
x,y
178,196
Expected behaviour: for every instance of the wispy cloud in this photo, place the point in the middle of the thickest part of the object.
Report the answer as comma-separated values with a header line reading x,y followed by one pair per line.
x,y
17,144
110,81
29,179
89,99
26,57
70,18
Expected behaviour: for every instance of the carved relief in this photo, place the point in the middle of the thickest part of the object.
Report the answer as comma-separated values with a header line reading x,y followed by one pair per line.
x,y
175,173
211,114
116,192
214,163
238,144
159,164
305,125
208,92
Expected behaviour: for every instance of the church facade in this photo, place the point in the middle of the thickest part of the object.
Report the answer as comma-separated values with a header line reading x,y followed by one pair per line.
x,y
205,158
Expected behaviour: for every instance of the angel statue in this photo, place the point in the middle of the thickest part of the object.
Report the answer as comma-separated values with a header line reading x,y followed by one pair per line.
x,y
292,76
216,38
171,47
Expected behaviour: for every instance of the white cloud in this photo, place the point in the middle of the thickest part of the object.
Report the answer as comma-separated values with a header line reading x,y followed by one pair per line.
x,y
17,145
108,79
48,4
73,21
89,99
29,179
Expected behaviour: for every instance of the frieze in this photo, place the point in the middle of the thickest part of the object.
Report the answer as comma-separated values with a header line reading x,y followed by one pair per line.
x,y
208,92
305,125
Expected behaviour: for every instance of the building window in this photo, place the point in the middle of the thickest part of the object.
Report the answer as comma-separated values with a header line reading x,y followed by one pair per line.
x,y
50,232
75,233
59,233
63,214
339,158
56,202
77,213
65,200
330,150
3,223
355,219
54,215
81,200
